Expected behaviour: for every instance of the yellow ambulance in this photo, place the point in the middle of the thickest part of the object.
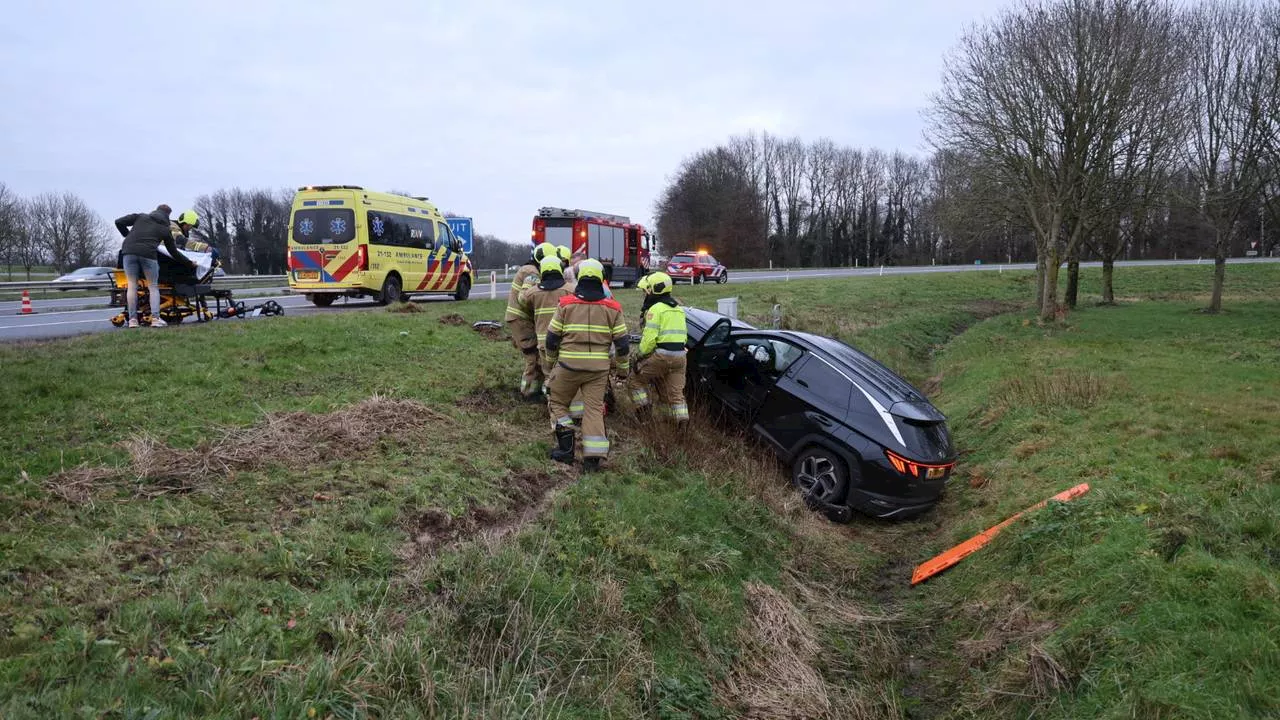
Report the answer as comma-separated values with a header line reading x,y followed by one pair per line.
x,y
348,241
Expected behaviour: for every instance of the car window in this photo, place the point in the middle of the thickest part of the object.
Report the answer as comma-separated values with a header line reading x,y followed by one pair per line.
x,y
772,355
712,261
718,335
682,259
826,382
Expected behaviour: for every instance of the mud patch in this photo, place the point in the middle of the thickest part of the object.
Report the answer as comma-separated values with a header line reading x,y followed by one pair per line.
x,y
488,400
452,319
525,496
491,333
156,468
404,307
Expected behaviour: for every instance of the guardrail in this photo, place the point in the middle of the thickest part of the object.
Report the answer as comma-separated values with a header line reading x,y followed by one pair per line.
x,y
50,288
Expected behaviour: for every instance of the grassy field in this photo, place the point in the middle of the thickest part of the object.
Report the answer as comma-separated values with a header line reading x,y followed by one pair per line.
x,y
326,516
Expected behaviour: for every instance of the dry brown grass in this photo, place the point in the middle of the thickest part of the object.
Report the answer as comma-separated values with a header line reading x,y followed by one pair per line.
x,y
404,307
452,319
156,468
775,675
1068,388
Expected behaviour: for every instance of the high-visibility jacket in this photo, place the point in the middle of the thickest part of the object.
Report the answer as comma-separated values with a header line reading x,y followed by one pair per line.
x,y
664,328
527,276
186,243
581,332
543,304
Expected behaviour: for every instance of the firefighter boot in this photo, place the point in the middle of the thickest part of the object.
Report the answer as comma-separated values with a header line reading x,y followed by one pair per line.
x,y
591,464
563,452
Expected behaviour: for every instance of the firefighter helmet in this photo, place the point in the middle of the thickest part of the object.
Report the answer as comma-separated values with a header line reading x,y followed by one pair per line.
x,y
564,253
643,283
543,250
659,283
590,268
189,217
550,264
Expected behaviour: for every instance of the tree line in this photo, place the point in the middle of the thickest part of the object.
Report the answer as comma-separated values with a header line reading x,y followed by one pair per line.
x,y
54,228
249,227
1064,130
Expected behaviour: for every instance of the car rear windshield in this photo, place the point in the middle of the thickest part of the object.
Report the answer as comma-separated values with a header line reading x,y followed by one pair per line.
x,y
324,226
682,259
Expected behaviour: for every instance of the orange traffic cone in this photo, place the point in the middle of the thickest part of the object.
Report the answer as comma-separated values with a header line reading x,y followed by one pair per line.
x,y
26,304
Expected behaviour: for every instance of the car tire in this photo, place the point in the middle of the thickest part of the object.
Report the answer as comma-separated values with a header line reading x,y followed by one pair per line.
x,y
724,278
822,478
324,300
391,290
464,288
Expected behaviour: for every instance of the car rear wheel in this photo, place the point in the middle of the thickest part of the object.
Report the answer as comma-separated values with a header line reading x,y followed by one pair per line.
x,y
724,278
390,290
324,300
821,477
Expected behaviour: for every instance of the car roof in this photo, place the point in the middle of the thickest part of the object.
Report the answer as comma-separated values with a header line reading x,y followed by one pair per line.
x,y
850,358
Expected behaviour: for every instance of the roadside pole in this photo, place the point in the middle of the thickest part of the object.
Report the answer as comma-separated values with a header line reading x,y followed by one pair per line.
x,y
493,284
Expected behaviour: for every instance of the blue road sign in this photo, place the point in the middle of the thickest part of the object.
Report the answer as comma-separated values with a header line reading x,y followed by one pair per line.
x,y
461,228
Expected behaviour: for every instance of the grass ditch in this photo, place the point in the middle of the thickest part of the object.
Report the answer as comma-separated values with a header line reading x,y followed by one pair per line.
x,y
450,571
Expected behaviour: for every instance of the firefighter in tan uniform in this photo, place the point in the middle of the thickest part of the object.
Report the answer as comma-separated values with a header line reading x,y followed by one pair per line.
x,y
661,360
520,324
582,330
542,300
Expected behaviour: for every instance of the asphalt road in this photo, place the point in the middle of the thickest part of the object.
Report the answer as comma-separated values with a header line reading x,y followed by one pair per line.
x,y
75,316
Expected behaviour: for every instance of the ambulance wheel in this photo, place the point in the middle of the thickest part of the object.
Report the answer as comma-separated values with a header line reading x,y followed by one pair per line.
x,y
391,290
724,278
464,288
324,300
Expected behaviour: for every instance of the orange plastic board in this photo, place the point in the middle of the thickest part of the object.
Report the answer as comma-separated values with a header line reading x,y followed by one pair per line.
x,y
938,563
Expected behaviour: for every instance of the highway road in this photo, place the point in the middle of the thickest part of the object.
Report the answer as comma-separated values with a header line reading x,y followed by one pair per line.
x,y
75,316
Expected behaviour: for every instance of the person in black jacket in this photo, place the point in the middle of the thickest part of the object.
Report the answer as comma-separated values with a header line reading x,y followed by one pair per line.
x,y
143,233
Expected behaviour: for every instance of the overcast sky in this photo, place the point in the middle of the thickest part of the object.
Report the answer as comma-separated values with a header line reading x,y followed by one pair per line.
x,y
492,109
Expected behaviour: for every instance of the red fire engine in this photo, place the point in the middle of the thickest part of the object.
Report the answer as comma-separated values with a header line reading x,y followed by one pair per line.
x,y
621,245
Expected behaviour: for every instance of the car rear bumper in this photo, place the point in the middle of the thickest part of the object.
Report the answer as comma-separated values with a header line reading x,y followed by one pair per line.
x,y
888,506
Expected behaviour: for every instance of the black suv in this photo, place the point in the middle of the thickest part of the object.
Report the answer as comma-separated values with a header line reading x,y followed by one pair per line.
x,y
855,433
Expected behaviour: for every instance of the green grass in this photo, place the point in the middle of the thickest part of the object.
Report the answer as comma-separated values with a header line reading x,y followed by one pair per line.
x,y
446,570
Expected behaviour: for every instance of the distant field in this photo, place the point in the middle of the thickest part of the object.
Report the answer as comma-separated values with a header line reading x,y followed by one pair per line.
x,y
319,516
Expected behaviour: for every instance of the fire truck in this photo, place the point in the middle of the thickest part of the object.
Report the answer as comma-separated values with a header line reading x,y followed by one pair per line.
x,y
620,245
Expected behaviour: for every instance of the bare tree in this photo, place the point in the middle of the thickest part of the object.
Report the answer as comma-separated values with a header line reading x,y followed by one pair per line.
x,y
1235,89
1040,97
12,226
68,231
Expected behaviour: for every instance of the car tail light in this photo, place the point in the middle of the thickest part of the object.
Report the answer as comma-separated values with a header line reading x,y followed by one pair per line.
x,y
363,254
911,468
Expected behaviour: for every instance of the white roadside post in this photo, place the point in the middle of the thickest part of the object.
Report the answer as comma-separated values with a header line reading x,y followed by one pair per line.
x,y
493,284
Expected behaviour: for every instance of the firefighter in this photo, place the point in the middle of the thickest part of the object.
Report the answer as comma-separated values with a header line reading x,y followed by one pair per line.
x,y
661,360
583,328
520,324
541,301
181,231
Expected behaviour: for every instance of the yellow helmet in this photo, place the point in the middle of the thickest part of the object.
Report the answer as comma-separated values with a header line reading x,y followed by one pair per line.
x,y
659,283
189,217
550,264
643,283
590,268
564,253
543,250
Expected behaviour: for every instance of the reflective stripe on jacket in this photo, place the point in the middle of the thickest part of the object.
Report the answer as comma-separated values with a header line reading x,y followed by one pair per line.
x,y
665,328
527,276
581,333
544,304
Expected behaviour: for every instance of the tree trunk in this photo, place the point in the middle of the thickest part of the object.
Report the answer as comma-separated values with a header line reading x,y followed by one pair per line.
x,y
1073,281
1108,270
1219,270
1049,299
1040,275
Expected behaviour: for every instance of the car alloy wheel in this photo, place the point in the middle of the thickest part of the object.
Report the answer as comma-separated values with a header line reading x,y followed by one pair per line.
x,y
820,476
